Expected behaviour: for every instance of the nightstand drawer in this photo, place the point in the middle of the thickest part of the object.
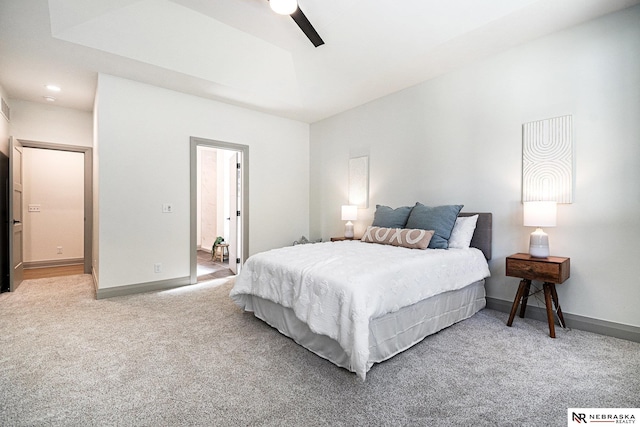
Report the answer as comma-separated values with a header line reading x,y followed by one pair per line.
x,y
551,269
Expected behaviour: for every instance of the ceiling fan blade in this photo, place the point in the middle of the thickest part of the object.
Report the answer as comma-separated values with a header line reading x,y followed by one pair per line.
x,y
306,27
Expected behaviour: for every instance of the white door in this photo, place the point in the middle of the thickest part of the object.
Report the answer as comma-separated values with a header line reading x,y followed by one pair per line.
x,y
234,212
16,266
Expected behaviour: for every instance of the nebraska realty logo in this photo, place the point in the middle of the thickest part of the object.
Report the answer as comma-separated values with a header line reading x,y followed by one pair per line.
x,y
576,416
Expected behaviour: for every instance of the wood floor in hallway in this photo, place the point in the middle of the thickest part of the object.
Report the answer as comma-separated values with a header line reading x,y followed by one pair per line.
x,y
46,272
209,269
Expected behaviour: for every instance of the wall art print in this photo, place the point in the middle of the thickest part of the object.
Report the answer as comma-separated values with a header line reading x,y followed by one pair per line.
x,y
547,160
359,182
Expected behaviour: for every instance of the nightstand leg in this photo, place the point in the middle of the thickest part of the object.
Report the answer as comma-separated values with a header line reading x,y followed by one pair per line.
x,y
525,297
554,296
547,300
516,301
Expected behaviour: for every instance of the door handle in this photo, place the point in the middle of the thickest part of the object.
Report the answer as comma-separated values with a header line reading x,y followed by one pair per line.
x,y
15,221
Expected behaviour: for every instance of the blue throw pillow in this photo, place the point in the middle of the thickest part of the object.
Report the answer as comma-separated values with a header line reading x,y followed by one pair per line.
x,y
440,219
387,217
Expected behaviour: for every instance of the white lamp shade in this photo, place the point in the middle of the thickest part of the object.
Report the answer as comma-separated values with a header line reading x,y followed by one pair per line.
x,y
283,7
540,214
349,212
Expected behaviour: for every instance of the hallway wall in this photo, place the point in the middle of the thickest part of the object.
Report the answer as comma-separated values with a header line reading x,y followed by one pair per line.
x,y
4,127
208,200
33,121
54,182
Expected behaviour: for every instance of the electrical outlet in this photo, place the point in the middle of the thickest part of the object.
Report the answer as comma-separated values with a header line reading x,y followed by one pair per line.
x,y
34,208
157,267
59,248
167,208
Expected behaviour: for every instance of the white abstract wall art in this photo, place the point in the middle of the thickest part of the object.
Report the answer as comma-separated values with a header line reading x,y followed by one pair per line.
x,y
359,182
547,160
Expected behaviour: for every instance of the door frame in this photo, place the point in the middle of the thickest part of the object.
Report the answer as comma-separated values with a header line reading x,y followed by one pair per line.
x,y
88,191
195,142
16,271
233,162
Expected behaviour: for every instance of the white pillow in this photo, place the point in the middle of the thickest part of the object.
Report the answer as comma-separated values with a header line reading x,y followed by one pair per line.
x,y
462,232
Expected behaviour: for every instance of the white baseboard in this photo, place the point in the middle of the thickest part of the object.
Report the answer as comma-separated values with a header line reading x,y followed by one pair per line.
x,y
53,263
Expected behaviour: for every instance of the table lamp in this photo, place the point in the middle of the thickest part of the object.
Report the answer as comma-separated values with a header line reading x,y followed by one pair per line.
x,y
539,214
349,213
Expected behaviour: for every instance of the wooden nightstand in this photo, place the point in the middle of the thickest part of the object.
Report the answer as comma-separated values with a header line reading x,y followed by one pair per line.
x,y
551,270
340,239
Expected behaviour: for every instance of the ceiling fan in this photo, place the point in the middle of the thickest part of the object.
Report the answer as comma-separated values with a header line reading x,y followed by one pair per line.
x,y
290,7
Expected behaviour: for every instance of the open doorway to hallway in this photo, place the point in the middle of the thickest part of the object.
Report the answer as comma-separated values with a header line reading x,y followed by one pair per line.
x,y
219,234
56,203
212,216
42,194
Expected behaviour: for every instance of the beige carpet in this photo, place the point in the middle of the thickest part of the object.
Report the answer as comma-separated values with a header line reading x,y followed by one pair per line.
x,y
189,356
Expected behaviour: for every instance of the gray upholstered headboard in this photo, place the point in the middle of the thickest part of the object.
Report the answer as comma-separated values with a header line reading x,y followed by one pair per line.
x,y
482,236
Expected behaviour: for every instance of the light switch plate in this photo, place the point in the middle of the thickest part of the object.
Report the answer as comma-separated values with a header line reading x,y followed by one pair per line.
x,y
167,208
34,208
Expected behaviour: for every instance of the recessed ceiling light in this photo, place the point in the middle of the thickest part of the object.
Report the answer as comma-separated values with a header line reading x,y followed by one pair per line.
x,y
53,88
49,98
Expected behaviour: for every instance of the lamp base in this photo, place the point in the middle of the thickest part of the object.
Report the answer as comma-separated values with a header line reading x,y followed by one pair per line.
x,y
348,230
539,244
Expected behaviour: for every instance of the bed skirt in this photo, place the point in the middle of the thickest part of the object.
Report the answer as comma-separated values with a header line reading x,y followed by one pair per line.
x,y
389,334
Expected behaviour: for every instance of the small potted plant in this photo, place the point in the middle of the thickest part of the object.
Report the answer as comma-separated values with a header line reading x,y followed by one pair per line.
x,y
219,240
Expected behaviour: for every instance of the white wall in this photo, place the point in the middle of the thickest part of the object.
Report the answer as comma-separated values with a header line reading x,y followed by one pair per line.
x,y
49,123
4,126
34,121
457,139
208,197
54,180
95,239
143,153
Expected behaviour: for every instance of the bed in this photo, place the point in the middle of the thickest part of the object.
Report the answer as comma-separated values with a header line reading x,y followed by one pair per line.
x,y
357,304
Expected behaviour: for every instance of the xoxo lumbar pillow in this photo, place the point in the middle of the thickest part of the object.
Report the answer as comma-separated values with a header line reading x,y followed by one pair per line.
x,y
405,237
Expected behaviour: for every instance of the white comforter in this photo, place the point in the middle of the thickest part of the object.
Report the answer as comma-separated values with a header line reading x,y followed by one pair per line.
x,y
337,287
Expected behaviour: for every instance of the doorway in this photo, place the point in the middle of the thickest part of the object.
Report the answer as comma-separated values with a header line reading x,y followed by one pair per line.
x,y
85,217
53,212
213,214
219,198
